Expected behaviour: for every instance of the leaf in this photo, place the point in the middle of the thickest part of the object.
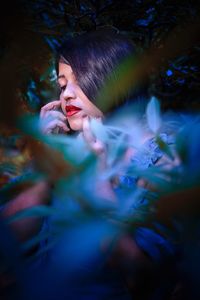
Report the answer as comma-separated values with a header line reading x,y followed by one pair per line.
x,y
164,147
153,115
35,240
35,211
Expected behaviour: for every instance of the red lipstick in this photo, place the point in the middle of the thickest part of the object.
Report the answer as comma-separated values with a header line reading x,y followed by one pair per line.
x,y
71,110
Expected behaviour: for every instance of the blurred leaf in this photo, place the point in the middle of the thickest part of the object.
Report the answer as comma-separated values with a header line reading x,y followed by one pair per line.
x,y
35,211
153,115
164,147
39,238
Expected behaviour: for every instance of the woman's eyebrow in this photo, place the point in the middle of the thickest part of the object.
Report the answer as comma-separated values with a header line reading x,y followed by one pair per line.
x,y
61,76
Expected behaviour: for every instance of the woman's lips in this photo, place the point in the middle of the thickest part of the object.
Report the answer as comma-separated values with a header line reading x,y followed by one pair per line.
x,y
71,110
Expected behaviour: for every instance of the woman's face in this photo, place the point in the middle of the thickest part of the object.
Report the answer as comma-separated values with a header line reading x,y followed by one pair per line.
x,y
75,104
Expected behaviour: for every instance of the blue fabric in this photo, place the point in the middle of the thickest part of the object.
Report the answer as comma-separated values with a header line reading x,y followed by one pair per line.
x,y
150,152
153,244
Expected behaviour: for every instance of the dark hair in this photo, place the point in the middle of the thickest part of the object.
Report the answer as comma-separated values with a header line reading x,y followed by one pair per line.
x,y
94,56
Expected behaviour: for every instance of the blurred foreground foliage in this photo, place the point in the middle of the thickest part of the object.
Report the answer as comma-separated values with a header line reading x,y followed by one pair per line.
x,y
82,219
166,34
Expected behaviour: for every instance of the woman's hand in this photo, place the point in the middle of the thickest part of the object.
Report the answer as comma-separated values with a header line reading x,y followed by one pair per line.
x,y
103,187
95,145
52,120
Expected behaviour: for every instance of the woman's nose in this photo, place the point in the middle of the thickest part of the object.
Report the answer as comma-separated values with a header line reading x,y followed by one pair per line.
x,y
69,92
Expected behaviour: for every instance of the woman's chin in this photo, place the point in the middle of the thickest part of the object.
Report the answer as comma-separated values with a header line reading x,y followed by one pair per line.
x,y
76,125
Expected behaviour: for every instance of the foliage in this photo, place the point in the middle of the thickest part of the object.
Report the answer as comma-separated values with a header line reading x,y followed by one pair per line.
x,y
170,60
79,211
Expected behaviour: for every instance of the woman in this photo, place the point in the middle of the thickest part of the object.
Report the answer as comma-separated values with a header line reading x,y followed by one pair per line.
x,y
83,68
84,65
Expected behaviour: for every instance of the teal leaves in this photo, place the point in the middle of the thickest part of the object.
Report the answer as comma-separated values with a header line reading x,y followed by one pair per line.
x,y
153,115
164,147
143,164
35,211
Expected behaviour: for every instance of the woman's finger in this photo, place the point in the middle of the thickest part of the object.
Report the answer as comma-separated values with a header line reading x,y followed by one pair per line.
x,y
54,114
95,145
53,125
49,106
87,133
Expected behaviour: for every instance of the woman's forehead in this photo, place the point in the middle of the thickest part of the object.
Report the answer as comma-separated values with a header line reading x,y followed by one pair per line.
x,y
64,70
